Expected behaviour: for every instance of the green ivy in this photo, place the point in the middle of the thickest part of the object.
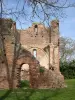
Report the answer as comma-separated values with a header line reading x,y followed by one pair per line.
x,y
24,83
41,69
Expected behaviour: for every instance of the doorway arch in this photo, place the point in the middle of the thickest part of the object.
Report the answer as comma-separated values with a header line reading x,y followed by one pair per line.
x,y
28,59
24,74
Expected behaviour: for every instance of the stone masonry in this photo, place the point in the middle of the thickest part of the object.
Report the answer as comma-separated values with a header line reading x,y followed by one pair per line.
x,y
39,47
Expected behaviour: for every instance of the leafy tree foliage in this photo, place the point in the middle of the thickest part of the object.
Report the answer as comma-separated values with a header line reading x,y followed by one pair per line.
x,y
67,49
68,69
67,57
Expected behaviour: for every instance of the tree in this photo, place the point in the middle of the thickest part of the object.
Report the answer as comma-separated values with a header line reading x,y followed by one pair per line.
x,y
44,10
67,49
36,8
67,57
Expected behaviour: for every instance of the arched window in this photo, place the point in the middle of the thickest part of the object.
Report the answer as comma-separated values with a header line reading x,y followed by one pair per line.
x,y
35,53
36,29
24,75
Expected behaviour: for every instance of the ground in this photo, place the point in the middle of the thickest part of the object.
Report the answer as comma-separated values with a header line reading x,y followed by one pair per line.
x,y
67,93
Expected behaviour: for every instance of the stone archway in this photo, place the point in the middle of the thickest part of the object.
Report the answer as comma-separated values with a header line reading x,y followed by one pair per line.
x,y
50,78
24,72
29,59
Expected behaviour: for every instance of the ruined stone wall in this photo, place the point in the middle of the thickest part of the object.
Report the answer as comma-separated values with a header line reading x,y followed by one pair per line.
x,y
38,39
55,43
11,41
44,37
7,28
8,38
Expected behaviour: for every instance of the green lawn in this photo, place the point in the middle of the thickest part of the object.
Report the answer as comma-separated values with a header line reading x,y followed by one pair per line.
x,y
41,94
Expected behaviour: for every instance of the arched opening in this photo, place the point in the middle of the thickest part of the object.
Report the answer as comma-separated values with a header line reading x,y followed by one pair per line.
x,y
36,29
24,72
30,65
35,53
24,75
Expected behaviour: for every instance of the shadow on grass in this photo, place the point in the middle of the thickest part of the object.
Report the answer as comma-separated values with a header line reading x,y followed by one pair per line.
x,y
26,94
5,95
36,94
30,94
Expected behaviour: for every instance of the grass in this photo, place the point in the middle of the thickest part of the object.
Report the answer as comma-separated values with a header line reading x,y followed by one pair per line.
x,y
41,94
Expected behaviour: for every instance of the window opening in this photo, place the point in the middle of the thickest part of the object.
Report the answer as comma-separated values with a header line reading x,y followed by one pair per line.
x,y
36,29
35,53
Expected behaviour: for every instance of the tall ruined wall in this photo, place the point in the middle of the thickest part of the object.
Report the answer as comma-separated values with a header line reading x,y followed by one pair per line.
x,y
55,44
31,37
39,38
36,38
46,43
10,40
7,28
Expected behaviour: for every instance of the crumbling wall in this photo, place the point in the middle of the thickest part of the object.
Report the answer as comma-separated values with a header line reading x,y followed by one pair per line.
x,y
30,39
7,28
33,69
49,43
55,44
51,79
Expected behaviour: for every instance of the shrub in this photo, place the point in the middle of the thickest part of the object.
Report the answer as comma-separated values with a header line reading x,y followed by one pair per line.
x,y
24,83
41,70
68,69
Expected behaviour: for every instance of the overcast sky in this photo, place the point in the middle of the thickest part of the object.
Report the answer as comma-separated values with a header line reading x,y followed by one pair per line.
x,y
67,25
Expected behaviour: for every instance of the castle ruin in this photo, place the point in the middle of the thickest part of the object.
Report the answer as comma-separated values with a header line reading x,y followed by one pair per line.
x,y
39,48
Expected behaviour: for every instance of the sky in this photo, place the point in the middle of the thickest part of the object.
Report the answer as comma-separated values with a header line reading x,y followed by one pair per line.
x,y
66,24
